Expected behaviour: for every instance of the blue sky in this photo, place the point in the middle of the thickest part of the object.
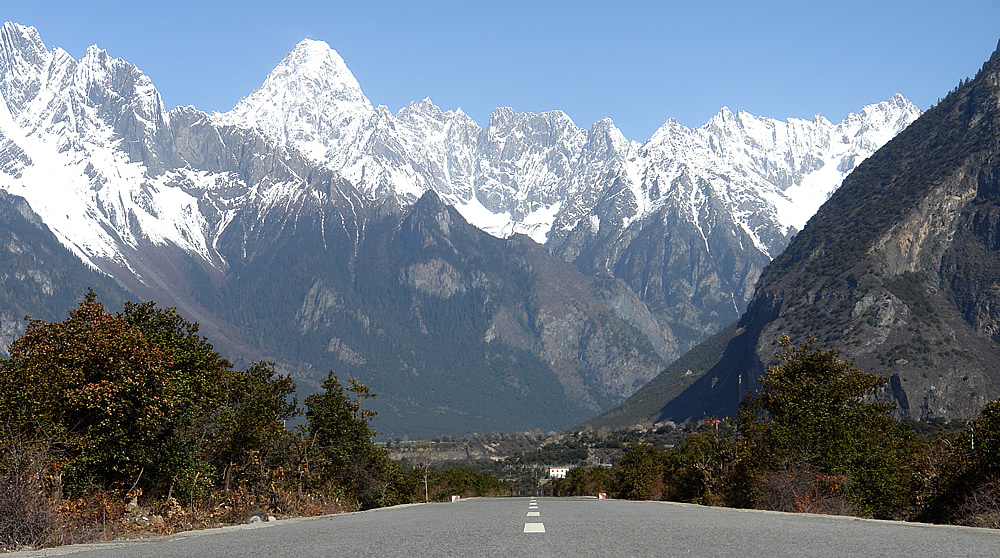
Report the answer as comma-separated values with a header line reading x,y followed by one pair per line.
x,y
638,63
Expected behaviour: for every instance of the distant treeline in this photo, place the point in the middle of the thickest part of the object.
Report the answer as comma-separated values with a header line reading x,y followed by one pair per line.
x,y
815,439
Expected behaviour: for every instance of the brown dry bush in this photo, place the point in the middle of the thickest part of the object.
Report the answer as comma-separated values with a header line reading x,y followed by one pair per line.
x,y
33,514
242,504
28,517
95,518
105,517
800,489
278,493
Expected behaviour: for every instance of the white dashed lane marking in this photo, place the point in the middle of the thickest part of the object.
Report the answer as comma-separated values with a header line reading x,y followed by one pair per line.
x,y
532,512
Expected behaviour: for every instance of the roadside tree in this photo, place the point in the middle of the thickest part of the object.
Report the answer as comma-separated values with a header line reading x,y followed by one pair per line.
x,y
821,412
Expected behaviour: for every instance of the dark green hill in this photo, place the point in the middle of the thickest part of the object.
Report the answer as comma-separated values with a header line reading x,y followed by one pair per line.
x,y
458,331
646,406
38,276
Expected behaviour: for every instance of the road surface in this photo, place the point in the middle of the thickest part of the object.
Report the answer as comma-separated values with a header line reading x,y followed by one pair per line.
x,y
558,527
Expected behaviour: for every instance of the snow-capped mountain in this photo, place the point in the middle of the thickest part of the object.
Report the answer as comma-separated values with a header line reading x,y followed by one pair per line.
x,y
534,172
898,272
125,186
311,101
740,185
690,218
200,210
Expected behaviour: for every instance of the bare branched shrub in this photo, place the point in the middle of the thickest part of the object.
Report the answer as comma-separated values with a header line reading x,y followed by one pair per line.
x,y
800,489
28,517
980,507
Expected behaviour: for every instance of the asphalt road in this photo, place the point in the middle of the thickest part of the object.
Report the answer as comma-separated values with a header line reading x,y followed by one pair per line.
x,y
562,527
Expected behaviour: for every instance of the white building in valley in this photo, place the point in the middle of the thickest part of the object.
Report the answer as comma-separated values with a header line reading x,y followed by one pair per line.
x,y
558,472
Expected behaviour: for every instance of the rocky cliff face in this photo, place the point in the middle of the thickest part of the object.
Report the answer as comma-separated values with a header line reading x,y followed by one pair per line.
x,y
898,270
593,333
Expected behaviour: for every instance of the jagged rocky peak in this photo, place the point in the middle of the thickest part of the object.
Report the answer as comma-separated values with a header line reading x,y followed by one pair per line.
x,y
425,123
501,116
125,99
897,102
605,139
526,161
315,63
512,134
549,125
425,106
22,60
20,46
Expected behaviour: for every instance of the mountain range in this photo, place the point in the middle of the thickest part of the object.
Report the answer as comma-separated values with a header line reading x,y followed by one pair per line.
x,y
527,274
899,271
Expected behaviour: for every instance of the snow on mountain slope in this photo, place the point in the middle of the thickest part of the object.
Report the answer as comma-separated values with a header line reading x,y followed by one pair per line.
x,y
540,174
772,175
853,140
64,124
420,148
89,145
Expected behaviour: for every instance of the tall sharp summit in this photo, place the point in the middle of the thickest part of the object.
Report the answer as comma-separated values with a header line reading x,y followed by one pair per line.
x,y
277,225
310,101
